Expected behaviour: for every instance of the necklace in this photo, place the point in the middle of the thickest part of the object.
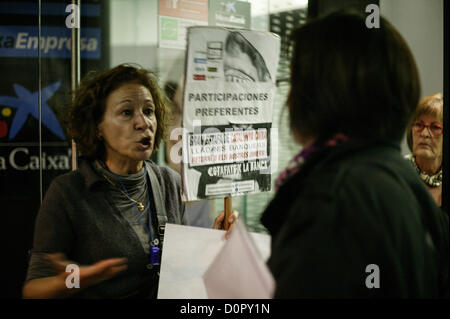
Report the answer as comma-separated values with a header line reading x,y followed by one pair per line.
x,y
140,205
431,180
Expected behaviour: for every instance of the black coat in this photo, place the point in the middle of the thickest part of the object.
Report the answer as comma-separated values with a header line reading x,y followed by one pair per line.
x,y
351,206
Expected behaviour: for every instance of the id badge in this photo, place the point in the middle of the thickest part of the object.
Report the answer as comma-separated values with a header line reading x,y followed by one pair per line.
x,y
155,253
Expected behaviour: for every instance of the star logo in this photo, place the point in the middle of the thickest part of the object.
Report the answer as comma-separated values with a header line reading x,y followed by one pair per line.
x,y
229,6
27,103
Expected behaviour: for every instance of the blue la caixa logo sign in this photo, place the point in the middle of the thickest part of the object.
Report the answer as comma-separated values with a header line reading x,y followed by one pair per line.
x,y
54,41
26,104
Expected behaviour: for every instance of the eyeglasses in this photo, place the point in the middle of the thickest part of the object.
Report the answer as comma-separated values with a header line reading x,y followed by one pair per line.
x,y
434,129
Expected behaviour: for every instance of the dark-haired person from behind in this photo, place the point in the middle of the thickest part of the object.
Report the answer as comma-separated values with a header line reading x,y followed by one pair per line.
x,y
108,216
351,218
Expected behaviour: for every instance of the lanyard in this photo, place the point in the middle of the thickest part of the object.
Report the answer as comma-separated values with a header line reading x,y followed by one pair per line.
x,y
148,227
153,242
154,251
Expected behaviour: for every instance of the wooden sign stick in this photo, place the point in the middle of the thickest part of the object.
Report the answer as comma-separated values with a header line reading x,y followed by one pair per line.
x,y
228,211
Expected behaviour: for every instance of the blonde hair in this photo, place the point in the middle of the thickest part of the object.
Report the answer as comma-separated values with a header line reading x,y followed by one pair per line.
x,y
432,105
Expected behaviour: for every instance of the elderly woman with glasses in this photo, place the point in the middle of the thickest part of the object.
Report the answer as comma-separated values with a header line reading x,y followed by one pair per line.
x,y
424,139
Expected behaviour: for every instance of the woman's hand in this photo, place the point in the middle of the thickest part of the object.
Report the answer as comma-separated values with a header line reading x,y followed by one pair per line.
x,y
57,286
89,274
219,222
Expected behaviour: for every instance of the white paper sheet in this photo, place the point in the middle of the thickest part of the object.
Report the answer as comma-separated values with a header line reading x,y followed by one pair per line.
x,y
239,270
187,253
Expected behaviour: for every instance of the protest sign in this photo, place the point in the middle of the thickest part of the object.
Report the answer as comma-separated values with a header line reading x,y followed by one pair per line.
x,y
227,111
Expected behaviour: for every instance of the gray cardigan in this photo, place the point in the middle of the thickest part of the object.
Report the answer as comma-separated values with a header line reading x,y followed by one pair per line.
x,y
78,219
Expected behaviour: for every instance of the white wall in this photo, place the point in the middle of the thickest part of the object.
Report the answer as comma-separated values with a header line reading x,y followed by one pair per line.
x,y
421,23
134,32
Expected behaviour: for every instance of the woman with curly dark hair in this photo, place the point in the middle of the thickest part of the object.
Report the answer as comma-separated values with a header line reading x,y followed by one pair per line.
x,y
109,214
